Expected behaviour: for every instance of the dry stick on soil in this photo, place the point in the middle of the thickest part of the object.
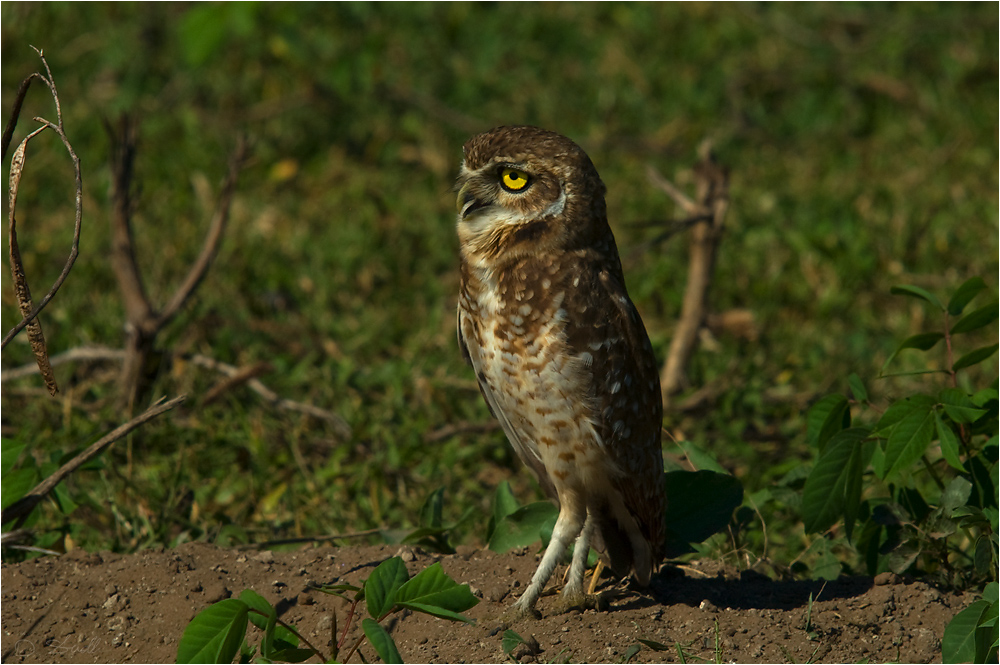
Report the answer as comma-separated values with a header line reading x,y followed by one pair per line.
x,y
712,185
339,424
243,375
22,508
143,322
29,313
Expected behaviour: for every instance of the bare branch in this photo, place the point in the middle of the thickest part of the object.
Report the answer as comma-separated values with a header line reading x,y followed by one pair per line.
x,y
342,428
8,132
212,240
20,509
712,184
83,353
234,380
138,311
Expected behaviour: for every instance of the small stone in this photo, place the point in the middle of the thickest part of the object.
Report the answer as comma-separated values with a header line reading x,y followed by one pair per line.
x,y
267,556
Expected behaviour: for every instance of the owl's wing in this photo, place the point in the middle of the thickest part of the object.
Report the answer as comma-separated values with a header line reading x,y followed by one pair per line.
x,y
628,408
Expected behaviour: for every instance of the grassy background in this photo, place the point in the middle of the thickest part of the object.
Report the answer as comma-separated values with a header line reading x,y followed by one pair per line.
x,y
862,141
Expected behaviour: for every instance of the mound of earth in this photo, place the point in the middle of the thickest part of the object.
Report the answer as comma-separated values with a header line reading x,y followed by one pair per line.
x,y
111,608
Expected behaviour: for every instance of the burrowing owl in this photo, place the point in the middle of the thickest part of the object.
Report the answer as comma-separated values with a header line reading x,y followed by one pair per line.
x,y
559,350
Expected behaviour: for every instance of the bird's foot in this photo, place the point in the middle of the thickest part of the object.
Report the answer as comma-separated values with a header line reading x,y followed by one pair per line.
x,y
578,600
512,615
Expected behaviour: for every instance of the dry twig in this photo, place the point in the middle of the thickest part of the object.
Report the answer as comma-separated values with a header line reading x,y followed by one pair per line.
x,y
29,313
143,322
712,185
20,509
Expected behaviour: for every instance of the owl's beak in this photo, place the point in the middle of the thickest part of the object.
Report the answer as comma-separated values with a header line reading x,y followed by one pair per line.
x,y
468,203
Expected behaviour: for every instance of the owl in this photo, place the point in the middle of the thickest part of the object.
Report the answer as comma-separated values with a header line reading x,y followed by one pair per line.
x,y
560,353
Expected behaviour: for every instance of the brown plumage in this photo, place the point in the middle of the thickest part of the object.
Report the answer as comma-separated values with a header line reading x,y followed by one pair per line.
x,y
560,352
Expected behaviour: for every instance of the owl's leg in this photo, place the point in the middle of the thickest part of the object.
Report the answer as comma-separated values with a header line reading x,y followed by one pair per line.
x,y
568,526
573,595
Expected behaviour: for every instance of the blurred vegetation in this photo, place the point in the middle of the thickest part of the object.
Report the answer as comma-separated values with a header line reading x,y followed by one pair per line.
x,y
862,141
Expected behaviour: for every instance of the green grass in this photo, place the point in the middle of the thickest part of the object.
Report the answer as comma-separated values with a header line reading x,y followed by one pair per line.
x,y
862,145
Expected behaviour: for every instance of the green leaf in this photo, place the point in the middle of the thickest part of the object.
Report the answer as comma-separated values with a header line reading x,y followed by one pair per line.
x,y
431,511
857,387
18,483
976,319
655,646
964,294
955,495
921,341
215,634
960,406
983,558
504,504
381,587
10,452
510,641
974,357
523,527
380,639
833,488
908,440
959,642
291,655
431,591
277,637
631,652
916,292
826,417
950,449
701,504
700,458
902,408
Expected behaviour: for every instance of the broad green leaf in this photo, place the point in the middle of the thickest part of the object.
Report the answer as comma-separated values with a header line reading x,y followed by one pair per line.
x,y
908,440
436,611
278,637
215,634
504,504
291,655
827,566
18,483
983,558
630,653
826,417
523,527
974,357
950,449
902,408
431,511
10,452
959,642
960,406
916,292
964,294
976,319
380,639
381,587
510,641
955,494
983,397
835,482
432,588
921,341
857,387
701,504
991,594
700,459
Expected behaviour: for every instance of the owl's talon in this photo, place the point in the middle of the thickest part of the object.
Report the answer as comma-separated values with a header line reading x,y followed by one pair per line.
x,y
580,601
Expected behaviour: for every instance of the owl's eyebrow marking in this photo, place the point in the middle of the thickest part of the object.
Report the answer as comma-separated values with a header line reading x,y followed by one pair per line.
x,y
557,206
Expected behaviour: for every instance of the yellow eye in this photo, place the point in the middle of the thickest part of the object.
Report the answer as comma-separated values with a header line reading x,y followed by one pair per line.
x,y
513,180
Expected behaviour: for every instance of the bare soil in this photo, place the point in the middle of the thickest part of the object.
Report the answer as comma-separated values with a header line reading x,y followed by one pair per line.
x,y
111,608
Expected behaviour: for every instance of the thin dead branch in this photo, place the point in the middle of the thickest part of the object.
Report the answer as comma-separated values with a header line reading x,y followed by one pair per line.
x,y
20,509
464,427
143,321
79,354
29,311
341,427
243,375
709,208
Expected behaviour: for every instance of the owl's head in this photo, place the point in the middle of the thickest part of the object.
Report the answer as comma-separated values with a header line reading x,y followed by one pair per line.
x,y
525,190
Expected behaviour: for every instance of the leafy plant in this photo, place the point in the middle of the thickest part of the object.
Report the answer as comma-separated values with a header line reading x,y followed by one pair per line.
x,y
218,632
928,465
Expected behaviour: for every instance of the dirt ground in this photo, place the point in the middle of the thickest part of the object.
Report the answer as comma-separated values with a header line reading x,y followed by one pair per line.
x,y
110,608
